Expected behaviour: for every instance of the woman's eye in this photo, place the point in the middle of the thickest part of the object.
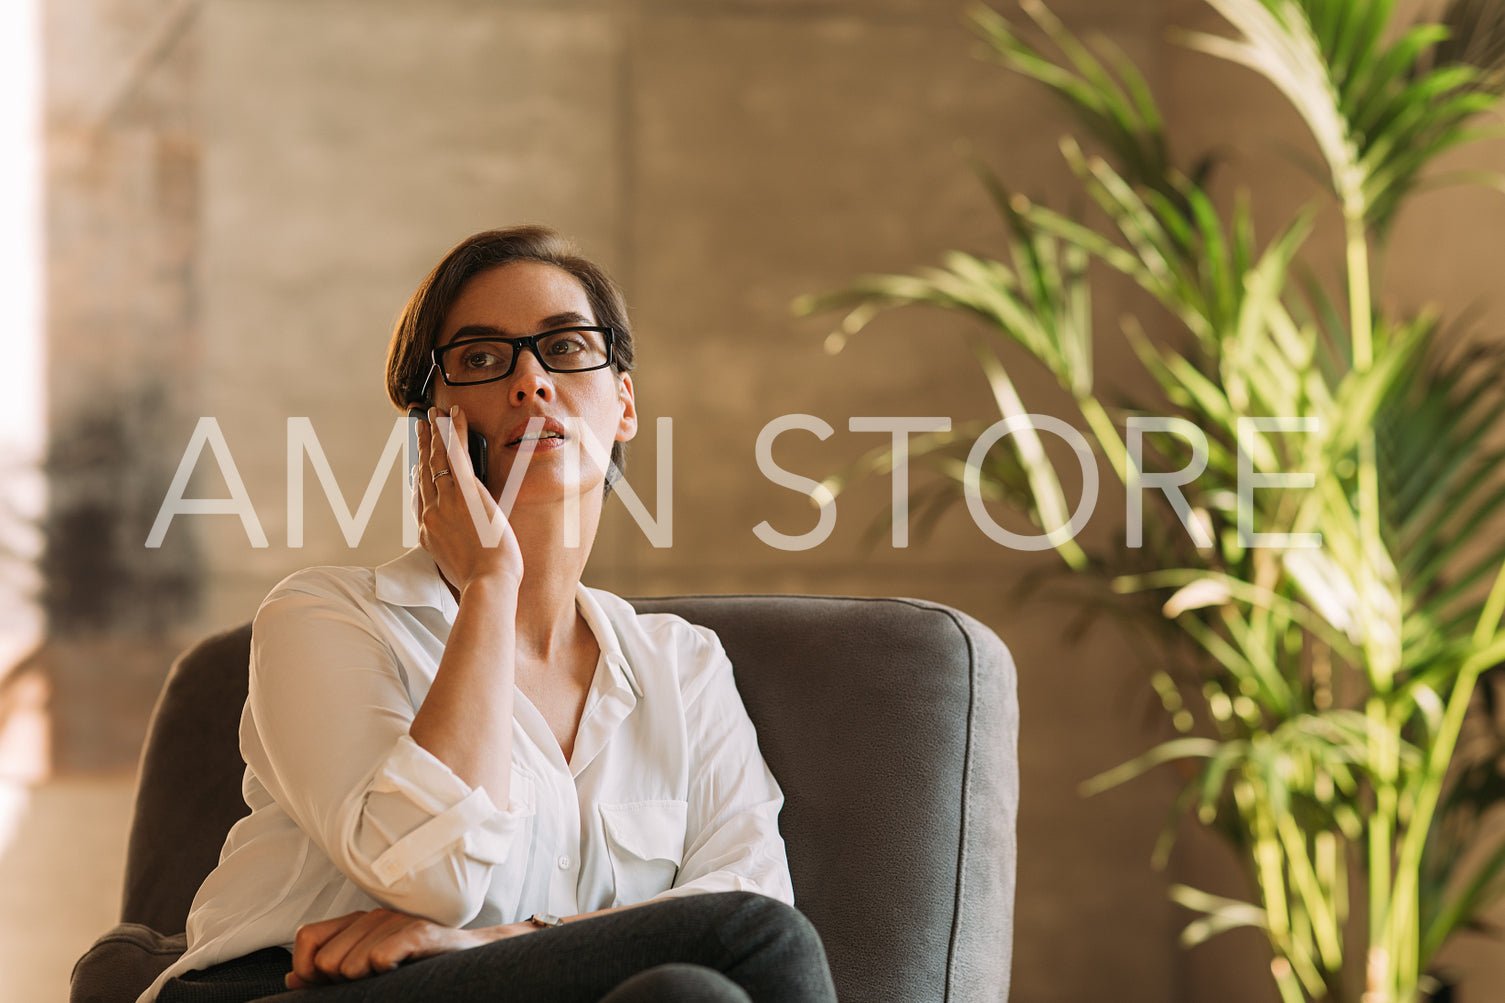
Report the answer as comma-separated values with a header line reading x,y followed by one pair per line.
x,y
564,345
480,360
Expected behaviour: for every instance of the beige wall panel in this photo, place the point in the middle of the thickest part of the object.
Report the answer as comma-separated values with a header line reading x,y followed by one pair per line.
x,y
348,146
1445,247
1099,12
783,158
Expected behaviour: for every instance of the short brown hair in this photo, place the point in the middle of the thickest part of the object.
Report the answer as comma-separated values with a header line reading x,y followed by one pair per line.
x,y
410,355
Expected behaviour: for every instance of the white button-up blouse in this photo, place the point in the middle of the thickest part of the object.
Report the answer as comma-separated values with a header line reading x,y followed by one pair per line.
x,y
665,793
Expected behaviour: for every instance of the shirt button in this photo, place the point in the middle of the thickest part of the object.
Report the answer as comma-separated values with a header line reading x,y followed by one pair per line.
x,y
564,863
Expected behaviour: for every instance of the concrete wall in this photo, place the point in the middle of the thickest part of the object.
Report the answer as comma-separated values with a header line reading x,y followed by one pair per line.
x,y
233,236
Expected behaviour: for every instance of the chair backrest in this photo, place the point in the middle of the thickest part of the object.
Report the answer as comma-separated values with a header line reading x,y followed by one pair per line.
x,y
891,724
188,792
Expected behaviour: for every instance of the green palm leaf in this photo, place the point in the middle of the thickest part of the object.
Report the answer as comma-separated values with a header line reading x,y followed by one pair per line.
x,y
1379,111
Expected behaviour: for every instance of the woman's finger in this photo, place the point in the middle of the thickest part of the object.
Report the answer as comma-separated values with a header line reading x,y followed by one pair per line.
x,y
421,479
417,939
357,962
459,442
312,938
438,451
454,452
470,484
330,960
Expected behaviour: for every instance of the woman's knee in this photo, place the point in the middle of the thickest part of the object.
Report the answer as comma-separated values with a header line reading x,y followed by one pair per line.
x,y
774,924
776,952
678,983
781,916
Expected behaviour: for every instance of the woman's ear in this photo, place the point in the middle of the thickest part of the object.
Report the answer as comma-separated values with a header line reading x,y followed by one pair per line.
x,y
627,427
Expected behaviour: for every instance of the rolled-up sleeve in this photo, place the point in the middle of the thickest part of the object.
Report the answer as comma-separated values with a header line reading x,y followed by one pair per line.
x,y
732,840
326,731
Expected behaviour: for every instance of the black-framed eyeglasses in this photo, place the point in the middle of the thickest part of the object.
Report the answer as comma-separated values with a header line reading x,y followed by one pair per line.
x,y
471,361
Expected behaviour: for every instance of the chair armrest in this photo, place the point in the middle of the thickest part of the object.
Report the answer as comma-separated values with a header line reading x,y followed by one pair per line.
x,y
122,963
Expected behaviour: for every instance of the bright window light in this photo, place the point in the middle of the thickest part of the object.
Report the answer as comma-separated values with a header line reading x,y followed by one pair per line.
x,y
23,419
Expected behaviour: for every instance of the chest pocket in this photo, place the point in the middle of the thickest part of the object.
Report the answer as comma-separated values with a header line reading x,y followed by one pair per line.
x,y
646,843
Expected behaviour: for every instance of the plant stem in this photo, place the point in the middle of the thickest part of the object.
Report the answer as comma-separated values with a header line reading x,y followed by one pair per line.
x,y
1382,755
1489,649
1359,307
1381,825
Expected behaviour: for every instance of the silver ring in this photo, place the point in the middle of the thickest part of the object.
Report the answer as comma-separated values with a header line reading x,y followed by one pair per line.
x,y
439,474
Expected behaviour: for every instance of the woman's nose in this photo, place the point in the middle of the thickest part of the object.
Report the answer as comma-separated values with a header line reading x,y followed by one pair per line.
x,y
531,380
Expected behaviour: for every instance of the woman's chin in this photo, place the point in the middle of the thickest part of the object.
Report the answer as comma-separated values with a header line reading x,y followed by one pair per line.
x,y
547,485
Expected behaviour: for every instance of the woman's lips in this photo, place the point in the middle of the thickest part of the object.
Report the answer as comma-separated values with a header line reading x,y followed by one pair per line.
x,y
543,432
540,445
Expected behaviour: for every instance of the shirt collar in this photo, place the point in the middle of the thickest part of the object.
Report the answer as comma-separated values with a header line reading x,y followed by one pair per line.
x,y
414,580
606,638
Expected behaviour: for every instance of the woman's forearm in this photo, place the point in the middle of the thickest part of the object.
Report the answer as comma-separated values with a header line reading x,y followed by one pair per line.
x,y
488,934
466,719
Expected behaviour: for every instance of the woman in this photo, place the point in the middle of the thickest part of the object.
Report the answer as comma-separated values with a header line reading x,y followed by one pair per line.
x,y
470,777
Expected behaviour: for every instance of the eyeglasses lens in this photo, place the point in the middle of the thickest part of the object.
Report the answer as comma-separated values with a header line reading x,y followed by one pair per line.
x,y
569,351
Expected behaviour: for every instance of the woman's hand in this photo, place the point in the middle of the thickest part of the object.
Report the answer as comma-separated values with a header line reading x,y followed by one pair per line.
x,y
455,508
369,943
466,718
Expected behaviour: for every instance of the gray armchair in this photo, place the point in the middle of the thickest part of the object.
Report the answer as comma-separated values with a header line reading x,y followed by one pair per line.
x,y
891,724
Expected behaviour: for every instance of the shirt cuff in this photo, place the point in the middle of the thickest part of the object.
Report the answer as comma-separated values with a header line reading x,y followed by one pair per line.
x,y
459,813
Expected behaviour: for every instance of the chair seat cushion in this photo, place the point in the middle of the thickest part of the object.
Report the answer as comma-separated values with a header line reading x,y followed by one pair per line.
x,y
122,963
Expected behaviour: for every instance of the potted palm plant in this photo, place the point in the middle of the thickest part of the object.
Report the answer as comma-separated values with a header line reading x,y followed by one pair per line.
x,y
1343,631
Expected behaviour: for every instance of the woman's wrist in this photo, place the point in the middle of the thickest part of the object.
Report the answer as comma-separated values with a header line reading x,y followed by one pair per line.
x,y
495,933
492,586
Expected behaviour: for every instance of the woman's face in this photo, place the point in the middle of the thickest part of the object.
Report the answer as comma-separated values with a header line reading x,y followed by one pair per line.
x,y
511,301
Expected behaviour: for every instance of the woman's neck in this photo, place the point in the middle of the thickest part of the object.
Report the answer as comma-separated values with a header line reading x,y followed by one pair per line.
x,y
546,614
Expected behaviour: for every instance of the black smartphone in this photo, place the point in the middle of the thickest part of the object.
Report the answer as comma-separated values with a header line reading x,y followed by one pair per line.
x,y
477,441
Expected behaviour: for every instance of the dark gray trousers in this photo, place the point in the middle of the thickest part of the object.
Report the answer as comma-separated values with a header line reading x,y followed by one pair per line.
x,y
733,946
